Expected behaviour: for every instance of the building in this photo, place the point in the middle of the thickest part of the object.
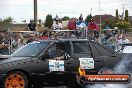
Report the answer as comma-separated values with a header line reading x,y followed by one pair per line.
x,y
103,18
130,20
19,27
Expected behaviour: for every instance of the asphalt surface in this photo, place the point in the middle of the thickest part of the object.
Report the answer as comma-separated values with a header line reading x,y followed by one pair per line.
x,y
57,87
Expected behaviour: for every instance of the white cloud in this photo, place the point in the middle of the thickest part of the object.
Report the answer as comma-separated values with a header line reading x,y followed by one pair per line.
x,y
23,9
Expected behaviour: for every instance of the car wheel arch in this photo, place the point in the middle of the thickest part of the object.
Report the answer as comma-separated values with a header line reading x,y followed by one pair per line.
x,y
25,76
23,71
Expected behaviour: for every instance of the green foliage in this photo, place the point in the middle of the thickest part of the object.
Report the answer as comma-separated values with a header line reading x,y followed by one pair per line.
x,y
65,18
126,15
88,18
117,16
108,23
6,21
123,25
49,21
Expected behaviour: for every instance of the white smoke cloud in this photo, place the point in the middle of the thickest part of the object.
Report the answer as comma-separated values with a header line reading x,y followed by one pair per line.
x,y
107,86
124,67
127,49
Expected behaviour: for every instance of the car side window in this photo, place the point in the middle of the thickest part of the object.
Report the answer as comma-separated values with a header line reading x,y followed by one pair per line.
x,y
81,49
51,52
59,50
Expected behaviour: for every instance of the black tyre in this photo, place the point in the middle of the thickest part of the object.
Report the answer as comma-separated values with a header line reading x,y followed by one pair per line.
x,y
15,79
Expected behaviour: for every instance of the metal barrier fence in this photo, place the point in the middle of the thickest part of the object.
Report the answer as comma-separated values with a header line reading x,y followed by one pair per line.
x,y
17,39
12,40
81,34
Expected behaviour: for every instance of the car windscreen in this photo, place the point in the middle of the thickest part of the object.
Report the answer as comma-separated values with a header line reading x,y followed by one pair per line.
x,y
30,50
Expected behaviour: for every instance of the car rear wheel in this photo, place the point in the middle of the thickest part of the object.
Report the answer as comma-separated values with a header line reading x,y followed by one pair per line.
x,y
16,79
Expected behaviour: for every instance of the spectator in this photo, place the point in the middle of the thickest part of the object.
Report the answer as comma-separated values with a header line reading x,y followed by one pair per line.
x,y
72,26
57,25
121,37
31,38
60,24
81,27
93,29
31,25
4,44
44,36
17,41
52,35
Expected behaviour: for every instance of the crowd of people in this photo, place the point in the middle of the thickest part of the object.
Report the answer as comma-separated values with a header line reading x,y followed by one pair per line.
x,y
114,38
11,41
77,28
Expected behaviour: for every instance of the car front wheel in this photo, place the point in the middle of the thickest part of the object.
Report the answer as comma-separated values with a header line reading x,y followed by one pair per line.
x,y
16,79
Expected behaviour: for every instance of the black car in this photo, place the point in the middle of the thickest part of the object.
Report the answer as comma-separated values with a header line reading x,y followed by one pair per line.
x,y
35,65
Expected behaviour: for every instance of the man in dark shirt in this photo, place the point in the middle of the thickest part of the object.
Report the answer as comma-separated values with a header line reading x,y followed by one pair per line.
x,y
31,38
59,53
31,26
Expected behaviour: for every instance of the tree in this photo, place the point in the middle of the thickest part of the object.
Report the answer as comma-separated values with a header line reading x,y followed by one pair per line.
x,y
123,25
108,23
117,16
65,18
126,15
49,21
88,18
6,21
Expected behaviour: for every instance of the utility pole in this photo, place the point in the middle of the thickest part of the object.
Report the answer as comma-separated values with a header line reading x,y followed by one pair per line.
x,y
91,11
35,12
123,14
99,16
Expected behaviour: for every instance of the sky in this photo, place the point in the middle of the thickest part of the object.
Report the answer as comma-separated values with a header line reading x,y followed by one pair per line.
x,y
21,10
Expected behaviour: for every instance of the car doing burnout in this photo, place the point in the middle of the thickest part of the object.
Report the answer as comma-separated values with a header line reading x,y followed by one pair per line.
x,y
34,65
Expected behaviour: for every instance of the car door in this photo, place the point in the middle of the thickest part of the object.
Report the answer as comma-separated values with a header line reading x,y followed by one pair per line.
x,y
82,53
68,64
71,64
45,64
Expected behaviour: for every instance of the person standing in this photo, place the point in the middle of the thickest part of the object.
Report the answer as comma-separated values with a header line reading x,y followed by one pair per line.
x,y
72,26
81,27
57,25
93,29
32,26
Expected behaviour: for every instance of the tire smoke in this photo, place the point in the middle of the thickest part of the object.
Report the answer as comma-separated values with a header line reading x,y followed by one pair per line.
x,y
124,67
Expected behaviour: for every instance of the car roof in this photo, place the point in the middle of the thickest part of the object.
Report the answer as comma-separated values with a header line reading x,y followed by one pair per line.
x,y
62,40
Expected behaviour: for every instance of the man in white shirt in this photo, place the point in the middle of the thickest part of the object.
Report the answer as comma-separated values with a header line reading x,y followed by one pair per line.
x,y
81,27
57,25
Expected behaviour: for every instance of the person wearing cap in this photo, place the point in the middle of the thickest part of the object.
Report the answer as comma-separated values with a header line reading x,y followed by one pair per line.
x,y
81,26
93,29
57,25
31,25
